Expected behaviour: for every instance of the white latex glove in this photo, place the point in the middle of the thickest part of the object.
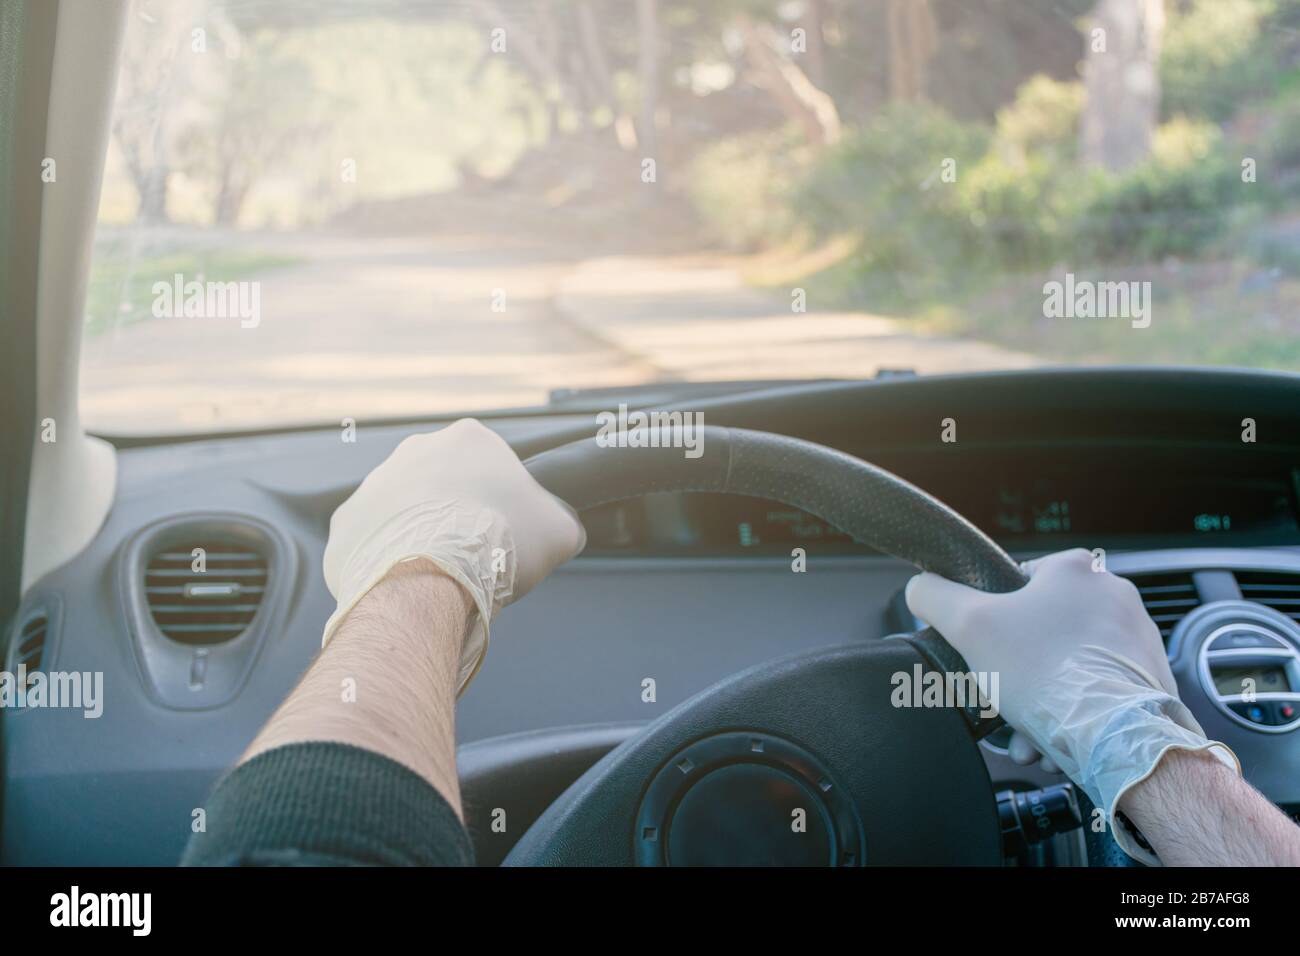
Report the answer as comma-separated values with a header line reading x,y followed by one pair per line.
x,y
1082,673
1021,750
461,498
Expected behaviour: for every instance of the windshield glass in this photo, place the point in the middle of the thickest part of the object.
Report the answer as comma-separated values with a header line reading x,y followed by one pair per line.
x,y
320,211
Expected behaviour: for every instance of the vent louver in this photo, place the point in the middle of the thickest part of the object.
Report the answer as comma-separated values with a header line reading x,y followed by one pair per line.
x,y
206,598
29,644
1276,589
1167,597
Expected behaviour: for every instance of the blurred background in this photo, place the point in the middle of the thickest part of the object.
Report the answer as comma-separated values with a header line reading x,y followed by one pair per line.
x,y
448,206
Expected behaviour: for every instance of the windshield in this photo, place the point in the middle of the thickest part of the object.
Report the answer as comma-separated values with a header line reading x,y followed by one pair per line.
x,y
314,212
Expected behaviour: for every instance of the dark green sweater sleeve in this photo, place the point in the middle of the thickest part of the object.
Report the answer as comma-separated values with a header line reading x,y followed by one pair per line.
x,y
327,804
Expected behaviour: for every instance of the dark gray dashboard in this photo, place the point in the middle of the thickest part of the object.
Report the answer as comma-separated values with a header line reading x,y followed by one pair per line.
x,y
122,788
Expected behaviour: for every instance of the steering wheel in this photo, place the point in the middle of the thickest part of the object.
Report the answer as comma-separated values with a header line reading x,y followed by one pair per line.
x,y
805,760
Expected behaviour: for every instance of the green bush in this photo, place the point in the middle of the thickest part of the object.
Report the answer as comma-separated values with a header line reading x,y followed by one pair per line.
x,y
1180,200
1282,141
1011,207
1024,213
1216,54
1043,119
1020,200
887,182
1023,197
741,188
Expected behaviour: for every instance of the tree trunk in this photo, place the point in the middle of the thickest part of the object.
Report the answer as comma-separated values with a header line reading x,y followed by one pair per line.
x,y
1122,82
913,39
647,24
230,198
817,43
593,51
533,55
152,186
800,100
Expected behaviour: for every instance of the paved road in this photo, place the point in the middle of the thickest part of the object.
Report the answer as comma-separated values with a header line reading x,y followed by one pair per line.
x,y
697,320
375,327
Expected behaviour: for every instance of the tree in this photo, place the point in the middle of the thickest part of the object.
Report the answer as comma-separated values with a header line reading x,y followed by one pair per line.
x,y
1121,81
912,41
156,64
647,26
798,97
267,108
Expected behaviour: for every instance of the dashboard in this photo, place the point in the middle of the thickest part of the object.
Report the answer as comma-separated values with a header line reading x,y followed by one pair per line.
x,y
1036,497
1149,465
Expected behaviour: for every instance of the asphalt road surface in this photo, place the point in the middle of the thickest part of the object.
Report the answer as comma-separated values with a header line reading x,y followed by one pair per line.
x,y
368,328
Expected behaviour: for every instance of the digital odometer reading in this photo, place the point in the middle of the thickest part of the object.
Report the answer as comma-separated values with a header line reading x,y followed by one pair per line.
x,y
1212,522
1260,679
1113,504
767,524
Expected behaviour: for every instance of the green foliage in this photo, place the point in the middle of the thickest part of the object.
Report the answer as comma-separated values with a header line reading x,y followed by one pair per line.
x,y
1043,118
120,291
1282,141
1020,201
1183,197
1026,212
742,187
887,182
1023,196
1006,208
260,137
1217,54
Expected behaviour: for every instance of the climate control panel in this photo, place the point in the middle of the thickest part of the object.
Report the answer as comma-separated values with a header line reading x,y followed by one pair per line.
x,y
1250,669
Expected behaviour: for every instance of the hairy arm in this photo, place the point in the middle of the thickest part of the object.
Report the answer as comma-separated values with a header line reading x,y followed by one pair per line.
x,y
387,681
1195,811
358,765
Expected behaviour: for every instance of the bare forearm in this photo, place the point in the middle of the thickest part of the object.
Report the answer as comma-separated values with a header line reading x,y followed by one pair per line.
x,y
1196,812
387,680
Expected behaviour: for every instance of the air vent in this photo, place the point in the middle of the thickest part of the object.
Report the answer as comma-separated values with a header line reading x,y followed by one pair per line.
x,y
29,644
1167,597
205,591
1278,590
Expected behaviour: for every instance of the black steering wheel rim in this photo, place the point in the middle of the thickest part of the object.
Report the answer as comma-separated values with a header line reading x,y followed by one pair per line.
x,y
596,820
874,506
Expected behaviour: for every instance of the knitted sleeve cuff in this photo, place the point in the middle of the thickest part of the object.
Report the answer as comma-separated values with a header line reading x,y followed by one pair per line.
x,y
327,804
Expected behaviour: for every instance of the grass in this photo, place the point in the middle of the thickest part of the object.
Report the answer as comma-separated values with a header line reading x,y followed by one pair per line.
x,y
1213,312
121,287
1202,313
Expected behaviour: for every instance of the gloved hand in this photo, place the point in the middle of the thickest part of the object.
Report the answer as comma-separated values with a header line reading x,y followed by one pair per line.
x,y
462,499
1021,750
1082,673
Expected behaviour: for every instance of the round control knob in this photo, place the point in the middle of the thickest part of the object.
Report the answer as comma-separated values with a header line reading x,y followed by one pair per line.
x,y
747,798
749,815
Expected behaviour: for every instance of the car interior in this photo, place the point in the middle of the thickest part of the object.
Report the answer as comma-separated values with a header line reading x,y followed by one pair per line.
x,y
737,615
